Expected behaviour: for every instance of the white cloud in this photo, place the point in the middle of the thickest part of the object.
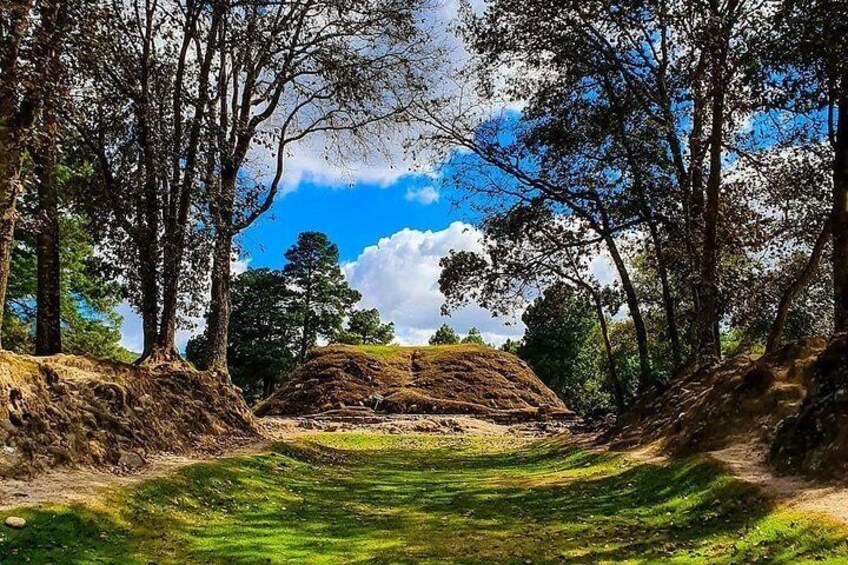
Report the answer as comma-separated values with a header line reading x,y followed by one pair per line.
x,y
399,276
425,195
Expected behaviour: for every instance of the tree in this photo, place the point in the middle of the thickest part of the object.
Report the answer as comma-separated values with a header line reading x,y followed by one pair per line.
x,y
445,335
288,71
558,346
146,72
474,337
89,295
32,34
264,336
808,56
511,346
321,297
364,327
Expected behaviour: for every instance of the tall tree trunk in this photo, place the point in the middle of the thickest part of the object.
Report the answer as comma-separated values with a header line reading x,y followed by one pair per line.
x,y
218,323
15,121
149,299
149,251
646,374
48,336
840,212
183,188
709,342
802,280
612,369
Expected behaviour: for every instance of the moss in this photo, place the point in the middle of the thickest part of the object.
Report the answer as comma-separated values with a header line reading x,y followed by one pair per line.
x,y
359,498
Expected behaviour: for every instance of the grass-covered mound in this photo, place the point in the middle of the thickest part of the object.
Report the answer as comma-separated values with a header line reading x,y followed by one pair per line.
x,y
76,410
341,498
742,400
461,379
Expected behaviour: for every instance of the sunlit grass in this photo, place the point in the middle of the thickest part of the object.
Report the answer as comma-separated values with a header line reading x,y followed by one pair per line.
x,y
359,498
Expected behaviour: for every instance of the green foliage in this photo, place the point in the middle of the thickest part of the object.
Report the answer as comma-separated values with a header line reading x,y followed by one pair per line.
x,y
511,346
560,344
263,332
89,296
321,297
277,316
474,337
445,335
342,498
364,327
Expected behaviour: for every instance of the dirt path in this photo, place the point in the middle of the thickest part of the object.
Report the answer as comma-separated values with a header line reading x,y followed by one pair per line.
x,y
85,484
745,462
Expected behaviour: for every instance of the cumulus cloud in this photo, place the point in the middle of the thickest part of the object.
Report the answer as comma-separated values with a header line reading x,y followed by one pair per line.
x,y
399,276
425,195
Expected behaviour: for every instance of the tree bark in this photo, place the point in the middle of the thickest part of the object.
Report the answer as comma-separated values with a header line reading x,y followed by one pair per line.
x,y
646,374
149,206
48,325
183,186
802,280
709,347
218,323
612,373
840,212
15,121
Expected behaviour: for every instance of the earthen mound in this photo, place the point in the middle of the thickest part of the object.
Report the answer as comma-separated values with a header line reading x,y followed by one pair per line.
x,y
462,379
814,441
742,400
68,410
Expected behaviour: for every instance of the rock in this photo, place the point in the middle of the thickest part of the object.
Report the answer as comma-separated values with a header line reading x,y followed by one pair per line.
x,y
15,522
131,459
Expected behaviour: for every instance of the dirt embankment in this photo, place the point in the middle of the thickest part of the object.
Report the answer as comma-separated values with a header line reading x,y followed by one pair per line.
x,y
67,410
425,380
791,404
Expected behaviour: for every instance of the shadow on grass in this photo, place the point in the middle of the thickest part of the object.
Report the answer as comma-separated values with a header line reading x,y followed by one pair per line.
x,y
388,500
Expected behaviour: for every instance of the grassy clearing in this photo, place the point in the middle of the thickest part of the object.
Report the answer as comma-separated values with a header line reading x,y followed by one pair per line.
x,y
345,498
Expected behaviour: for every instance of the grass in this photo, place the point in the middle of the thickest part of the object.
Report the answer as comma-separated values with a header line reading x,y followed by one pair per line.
x,y
368,499
393,350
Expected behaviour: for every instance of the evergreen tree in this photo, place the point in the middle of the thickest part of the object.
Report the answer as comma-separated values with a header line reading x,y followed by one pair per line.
x,y
364,327
558,345
474,337
445,335
321,297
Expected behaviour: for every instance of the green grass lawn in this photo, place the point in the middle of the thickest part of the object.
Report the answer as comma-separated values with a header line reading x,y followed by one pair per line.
x,y
360,499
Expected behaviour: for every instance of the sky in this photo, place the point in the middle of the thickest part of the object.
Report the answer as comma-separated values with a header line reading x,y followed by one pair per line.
x,y
391,234
391,222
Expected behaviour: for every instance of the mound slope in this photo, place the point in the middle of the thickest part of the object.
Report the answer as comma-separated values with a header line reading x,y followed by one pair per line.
x,y
791,404
68,410
741,400
463,379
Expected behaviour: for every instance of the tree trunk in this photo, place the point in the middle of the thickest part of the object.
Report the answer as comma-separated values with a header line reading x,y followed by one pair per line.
x,y
646,375
183,188
840,212
219,308
15,120
667,298
149,299
267,387
709,340
612,373
48,325
802,280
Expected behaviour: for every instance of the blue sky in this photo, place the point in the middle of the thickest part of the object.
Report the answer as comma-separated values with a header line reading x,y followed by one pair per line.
x,y
391,228
353,216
